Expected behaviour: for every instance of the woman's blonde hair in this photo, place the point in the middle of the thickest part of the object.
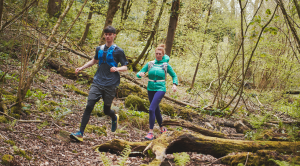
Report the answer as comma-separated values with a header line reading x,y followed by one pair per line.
x,y
161,47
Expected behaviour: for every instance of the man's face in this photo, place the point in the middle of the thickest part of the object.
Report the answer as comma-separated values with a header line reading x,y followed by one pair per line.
x,y
109,37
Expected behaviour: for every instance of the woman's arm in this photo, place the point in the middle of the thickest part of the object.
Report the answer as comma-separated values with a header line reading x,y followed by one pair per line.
x,y
172,74
143,71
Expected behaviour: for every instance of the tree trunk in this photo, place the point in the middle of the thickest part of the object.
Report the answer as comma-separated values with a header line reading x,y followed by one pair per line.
x,y
126,6
201,51
112,9
151,36
294,31
88,24
54,8
1,11
172,25
148,21
297,7
178,141
42,58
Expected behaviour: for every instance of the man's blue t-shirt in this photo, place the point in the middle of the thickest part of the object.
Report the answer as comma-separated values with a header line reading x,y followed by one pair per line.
x,y
103,75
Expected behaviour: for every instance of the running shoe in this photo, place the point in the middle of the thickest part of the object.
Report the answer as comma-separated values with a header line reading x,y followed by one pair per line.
x,y
165,130
149,136
114,124
77,136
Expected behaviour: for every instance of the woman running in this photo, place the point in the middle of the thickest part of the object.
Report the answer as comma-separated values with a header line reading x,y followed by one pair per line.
x,y
157,73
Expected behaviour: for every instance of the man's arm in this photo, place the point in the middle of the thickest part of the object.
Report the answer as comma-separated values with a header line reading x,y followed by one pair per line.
x,y
88,64
115,69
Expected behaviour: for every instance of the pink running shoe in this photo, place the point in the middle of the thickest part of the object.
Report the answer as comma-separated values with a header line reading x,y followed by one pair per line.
x,y
165,130
149,136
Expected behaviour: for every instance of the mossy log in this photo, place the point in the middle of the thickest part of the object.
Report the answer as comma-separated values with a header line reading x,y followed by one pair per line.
x,y
68,72
178,141
261,157
196,128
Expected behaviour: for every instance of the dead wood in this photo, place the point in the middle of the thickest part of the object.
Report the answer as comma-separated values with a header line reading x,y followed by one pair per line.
x,y
196,128
21,121
67,71
178,141
240,127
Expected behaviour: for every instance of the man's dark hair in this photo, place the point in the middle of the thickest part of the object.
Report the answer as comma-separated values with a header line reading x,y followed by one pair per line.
x,y
109,29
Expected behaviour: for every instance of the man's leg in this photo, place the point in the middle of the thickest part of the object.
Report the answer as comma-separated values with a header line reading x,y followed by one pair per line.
x,y
87,113
108,96
94,96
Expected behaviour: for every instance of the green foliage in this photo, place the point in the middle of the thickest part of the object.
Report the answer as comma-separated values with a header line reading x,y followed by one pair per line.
x,y
96,129
106,161
7,159
11,142
98,110
282,163
21,152
43,125
181,159
76,90
124,155
3,119
59,113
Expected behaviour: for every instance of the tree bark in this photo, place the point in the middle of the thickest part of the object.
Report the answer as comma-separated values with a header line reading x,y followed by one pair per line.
x,y
172,26
88,24
54,8
148,21
179,141
1,11
151,36
201,51
112,9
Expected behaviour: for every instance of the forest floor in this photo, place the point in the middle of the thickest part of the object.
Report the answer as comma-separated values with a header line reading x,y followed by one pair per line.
x,y
48,143
60,109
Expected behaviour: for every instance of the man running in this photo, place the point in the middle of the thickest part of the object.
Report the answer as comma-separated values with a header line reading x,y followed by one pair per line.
x,y
106,79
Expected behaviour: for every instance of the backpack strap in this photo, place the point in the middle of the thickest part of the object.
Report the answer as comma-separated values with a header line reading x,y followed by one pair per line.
x,y
165,67
150,65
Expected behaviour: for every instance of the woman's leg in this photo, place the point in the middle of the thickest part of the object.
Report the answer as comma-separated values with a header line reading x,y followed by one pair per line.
x,y
154,111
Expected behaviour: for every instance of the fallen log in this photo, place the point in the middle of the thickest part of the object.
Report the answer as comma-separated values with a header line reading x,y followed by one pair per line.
x,y
193,127
178,141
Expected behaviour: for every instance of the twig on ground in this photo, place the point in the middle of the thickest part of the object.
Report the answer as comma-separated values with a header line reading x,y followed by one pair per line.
x,y
21,121
259,101
169,162
32,134
3,136
49,158
58,126
247,159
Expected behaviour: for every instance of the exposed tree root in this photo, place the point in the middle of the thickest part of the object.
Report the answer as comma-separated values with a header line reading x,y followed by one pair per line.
x,y
178,141
196,128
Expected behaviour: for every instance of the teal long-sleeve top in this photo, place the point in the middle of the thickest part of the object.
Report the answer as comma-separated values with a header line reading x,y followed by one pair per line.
x,y
157,73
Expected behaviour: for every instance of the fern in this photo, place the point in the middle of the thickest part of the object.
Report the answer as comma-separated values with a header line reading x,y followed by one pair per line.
x,y
106,161
282,163
181,159
125,154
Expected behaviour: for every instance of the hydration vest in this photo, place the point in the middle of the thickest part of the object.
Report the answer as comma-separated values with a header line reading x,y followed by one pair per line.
x,y
164,67
109,56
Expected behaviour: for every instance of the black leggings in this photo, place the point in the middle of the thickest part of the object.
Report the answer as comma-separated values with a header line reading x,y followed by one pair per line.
x,y
88,110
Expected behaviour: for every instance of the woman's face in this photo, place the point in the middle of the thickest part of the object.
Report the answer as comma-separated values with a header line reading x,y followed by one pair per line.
x,y
158,55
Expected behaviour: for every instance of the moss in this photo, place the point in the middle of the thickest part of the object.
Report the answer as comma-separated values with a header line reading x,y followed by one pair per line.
x,y
2,91
21,152
9,99
125,89
168,109
135,102
57,93
11,142
3,107
96,129
46,108
74,151
3,119
17,109
155,162
7,159
187,114
51,102
140,123
76,90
